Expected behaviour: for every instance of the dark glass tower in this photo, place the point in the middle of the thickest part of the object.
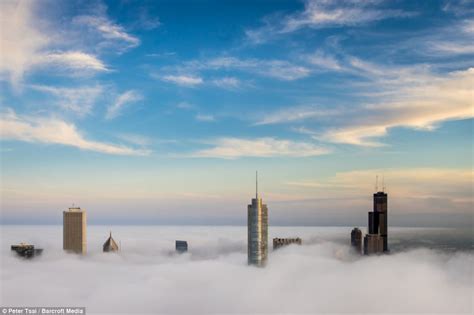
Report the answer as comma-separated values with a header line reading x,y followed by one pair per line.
x,y
378,219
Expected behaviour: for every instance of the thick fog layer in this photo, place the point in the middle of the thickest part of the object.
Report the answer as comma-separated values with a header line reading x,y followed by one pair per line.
x,y
322,276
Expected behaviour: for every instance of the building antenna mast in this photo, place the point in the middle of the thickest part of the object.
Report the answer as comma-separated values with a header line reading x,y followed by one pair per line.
x,y
376,183
256,185
383,183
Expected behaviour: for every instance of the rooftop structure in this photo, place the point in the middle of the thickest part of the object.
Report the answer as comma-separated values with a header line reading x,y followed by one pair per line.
x,y
26,250
110,245
280,242
181,246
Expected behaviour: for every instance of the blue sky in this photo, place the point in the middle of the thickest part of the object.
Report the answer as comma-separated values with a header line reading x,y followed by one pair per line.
x,y
161,111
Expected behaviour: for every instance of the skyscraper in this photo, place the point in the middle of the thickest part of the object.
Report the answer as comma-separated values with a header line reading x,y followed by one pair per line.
x,y
74,230
377,238
257,230
380,208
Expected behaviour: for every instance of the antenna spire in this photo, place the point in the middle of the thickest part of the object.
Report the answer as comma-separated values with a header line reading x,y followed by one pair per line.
x,y
383,183
256,185
376,183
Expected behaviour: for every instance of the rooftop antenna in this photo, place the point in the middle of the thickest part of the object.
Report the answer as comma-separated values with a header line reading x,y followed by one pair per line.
x,y
256,185
383,183
376,183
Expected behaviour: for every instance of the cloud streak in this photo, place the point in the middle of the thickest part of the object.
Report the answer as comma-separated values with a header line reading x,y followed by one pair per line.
x,y
273,68
128,97
80,100
182,80
323,14
232,148
55,131
111,32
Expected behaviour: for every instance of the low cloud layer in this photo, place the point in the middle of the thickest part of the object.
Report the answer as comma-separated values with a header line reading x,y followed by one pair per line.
x,y
322,276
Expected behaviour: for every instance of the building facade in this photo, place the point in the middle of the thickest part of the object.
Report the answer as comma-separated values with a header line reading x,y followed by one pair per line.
x,y
74,230
257,232
373,244
356,239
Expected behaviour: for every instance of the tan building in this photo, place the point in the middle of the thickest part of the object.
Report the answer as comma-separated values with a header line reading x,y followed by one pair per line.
x,y
74,230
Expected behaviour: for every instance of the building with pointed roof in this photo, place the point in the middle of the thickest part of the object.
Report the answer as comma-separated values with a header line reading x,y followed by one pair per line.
x,y
110,245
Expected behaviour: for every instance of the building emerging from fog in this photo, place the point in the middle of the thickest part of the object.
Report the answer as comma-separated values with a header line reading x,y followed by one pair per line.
x,y
379,222
110,245
373,244
26,250
74,230
280,242
257,231
356,240
376,241
181,246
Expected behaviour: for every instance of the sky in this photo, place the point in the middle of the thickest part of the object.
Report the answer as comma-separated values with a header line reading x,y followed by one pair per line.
x,y
160,112
322,276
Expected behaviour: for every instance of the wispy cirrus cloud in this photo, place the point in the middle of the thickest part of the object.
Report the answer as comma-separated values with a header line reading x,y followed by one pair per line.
x,y
232,148
395,96
181,79
273,68
323,14
227,82
128,97
205,117
455,39
417,103
80,100
295,114
72,60
112,33
50,130
28,45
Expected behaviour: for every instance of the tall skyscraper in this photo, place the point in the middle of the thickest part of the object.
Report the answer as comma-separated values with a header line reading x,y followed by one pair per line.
x,y
381,207
377,239
74,230
257,230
